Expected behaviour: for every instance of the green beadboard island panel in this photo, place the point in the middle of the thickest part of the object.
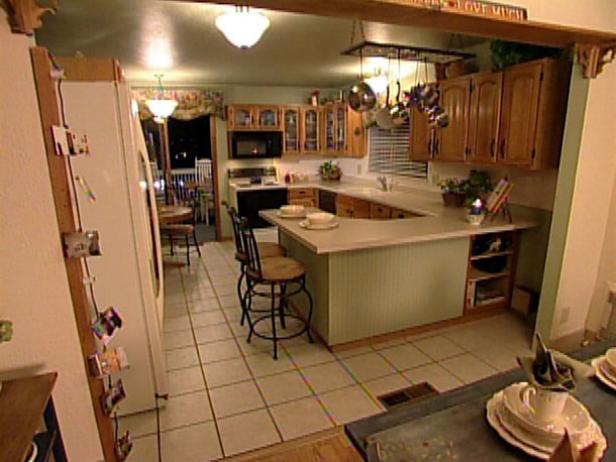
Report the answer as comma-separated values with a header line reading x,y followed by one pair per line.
x,y
376,291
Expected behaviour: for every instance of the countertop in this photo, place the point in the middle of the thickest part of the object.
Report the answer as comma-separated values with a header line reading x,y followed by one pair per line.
x,y
438,222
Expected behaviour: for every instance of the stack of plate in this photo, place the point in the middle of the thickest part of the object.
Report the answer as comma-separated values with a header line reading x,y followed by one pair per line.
x,y
517,425
292,211
605,368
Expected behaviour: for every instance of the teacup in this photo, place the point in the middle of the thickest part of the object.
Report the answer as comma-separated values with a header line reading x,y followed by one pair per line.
x,y
610,361
544,405
320,218
292,209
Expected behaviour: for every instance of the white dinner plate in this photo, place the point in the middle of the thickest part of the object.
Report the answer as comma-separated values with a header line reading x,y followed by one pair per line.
x,y
306,225
601,374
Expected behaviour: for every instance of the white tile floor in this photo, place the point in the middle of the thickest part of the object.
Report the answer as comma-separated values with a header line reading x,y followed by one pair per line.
x,y
229,397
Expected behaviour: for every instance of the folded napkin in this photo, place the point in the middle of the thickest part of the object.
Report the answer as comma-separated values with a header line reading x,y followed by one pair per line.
x,y
567,452
553,370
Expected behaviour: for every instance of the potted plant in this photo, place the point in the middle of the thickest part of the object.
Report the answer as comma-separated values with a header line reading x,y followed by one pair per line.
x,y
453,191
330,171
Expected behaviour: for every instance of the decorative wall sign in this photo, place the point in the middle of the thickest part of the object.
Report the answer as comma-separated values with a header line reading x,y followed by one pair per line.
x,y
113,397
81,244
486,8
107,324
108,362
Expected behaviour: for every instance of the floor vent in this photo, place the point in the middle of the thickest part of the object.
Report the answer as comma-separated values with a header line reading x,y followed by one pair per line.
x,y
407,395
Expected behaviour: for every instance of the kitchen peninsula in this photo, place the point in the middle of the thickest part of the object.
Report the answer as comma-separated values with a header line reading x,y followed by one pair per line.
x,y
374,277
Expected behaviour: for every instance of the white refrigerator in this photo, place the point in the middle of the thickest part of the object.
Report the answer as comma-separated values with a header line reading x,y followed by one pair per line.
x,y
129,273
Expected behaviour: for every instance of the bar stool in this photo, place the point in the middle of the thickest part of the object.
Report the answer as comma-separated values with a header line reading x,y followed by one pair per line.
x,y
277,273
266,250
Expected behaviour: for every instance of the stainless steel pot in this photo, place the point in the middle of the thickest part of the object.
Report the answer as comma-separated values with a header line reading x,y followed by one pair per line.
x,y
362,98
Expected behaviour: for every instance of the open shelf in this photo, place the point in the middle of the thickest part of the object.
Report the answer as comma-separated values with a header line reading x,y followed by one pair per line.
x,y
490,255
478,275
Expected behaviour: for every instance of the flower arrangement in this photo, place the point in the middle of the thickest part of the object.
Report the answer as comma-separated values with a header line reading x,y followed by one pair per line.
x,y
330,170
6,331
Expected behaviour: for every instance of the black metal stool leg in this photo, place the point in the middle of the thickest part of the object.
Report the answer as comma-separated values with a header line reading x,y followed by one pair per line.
x,y
283,304
309,318
187,241
240,296
247,307
273,308
194,234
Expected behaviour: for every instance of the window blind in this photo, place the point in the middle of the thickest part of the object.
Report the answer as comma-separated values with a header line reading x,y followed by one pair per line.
x,y
389,153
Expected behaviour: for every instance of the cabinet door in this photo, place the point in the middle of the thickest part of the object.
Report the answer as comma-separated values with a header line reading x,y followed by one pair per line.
x,y
521,89
361,208
329,130
241,117
379,212
356,135
291,138
268,117
344,206
484,117
397,213
310,130
450,142
421,136
341,129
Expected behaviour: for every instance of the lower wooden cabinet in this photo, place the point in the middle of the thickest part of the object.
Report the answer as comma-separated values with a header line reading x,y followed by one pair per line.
x,y
303,196
349,207
397,213
380,212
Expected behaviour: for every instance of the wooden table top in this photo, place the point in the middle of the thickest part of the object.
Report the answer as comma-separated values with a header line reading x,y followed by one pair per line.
x,y
173,214
22,403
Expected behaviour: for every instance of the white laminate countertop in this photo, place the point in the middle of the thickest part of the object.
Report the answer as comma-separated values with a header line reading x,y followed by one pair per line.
x,y
439,222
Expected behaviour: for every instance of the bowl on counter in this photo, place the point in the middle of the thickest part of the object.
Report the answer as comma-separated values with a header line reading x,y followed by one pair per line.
x,y
610,360
293,210
320,218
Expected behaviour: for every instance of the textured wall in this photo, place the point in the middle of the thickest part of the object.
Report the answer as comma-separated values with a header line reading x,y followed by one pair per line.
x,y
34,290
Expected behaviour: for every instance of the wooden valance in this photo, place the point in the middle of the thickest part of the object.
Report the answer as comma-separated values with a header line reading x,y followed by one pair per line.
x,y
192,103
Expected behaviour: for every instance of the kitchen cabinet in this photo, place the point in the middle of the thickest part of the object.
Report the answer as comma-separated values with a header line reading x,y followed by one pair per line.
x,y
310,130
357,139
268,117
401,214
341,128
421,136
329,123
291,130
450,142
303,196
351,207
533,114
241,117
380,212
484,117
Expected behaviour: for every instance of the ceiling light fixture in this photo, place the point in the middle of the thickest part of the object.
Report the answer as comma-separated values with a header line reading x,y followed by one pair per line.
x,y
161,107
243,28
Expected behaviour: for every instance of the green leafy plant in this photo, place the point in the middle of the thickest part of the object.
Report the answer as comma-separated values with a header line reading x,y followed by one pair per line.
x,y
330,170
479,185
6,331
505,54
453,185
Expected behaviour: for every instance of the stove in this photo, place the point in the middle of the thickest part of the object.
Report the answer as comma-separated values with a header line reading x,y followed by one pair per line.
x,y
245,178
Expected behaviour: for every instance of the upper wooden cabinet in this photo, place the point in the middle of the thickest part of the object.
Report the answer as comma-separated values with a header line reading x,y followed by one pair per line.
x,y
514,117
484,117
533,114
291,130
450,142
357,139
254,117
310,130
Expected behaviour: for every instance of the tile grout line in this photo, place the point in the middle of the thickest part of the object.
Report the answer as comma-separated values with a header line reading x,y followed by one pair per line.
x,y
245,364
207,391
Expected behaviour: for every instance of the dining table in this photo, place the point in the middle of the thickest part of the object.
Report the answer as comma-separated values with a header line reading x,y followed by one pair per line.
x,y
453,426
169,214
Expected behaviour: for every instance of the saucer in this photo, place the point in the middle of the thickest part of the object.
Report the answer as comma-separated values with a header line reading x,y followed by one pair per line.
x,y
307,225
602,374
574,418
527,441
290,215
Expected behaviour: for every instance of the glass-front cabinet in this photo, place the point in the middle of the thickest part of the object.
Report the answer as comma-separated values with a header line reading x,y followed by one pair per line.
x,y
241,117
268,117
310,124
291,130
341,128
329,129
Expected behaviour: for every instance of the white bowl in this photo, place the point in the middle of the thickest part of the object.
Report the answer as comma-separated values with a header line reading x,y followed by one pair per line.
x,y
320,218
292,209
610,361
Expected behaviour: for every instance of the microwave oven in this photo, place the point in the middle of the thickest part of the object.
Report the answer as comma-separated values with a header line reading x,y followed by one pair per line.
x,y
255,145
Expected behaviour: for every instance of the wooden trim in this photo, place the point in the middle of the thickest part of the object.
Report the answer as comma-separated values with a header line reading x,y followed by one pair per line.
x,y
63,200
593,58
410,13
25,16
91,69
214,150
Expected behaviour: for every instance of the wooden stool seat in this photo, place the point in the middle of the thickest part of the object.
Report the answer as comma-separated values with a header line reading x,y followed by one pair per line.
x,y
281,269
177,230
266,250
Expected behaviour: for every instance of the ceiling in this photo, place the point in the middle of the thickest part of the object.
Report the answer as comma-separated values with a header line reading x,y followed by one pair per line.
x,y
180,40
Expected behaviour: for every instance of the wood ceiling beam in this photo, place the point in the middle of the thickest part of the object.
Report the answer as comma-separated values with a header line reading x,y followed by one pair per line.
x,y
402,12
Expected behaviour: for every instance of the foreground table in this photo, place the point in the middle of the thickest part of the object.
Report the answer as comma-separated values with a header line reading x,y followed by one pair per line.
x,y
456,421
168,214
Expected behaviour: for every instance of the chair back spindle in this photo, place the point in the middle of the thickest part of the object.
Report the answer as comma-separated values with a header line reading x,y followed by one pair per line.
x,y
253,260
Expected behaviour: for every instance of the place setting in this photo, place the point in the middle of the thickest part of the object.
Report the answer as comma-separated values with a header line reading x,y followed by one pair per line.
x,y
542,417
605,368
292,211
319,221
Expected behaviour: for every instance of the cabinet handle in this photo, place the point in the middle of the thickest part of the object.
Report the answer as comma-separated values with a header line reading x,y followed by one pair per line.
x,y
492,148
502,148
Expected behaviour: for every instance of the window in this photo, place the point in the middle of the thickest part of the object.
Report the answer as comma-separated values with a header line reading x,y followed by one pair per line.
x,y
188,140
389,153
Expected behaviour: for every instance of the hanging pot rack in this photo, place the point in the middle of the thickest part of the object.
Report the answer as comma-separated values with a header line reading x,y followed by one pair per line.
x,y
370,49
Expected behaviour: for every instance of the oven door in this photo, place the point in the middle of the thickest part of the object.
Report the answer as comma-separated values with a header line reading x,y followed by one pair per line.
x,y
255,145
